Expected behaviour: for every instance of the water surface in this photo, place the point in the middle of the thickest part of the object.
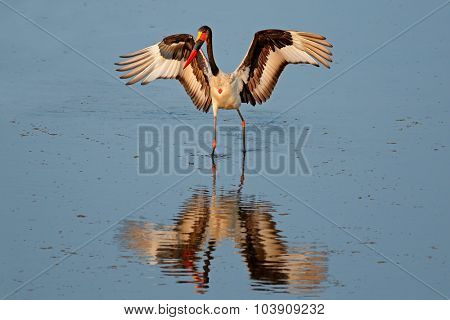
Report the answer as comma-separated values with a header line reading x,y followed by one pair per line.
x,y
370,221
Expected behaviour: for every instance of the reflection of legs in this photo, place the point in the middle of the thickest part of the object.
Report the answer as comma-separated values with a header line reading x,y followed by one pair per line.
x,y
243,131
213,169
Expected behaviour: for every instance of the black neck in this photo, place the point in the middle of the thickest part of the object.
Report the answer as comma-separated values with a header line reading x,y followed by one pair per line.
x,y
209,50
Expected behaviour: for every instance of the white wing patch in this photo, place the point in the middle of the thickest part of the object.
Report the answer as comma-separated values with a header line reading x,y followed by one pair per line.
x,y
148,64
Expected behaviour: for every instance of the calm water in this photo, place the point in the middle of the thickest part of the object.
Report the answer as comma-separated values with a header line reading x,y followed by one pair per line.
x,y
369,221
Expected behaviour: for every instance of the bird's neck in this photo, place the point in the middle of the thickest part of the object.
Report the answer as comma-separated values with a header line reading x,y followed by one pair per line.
x,y
209,50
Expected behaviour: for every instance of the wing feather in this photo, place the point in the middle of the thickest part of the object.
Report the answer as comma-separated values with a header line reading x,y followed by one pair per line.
x,y
134,59
135,64
132,54
165,60
268,55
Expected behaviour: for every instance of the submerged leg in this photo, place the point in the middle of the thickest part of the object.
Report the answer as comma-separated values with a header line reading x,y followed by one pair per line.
x,y
213,169
243,131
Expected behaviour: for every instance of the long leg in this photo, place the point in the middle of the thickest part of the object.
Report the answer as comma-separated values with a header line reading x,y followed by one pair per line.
x,y
214,142
241,183
243,131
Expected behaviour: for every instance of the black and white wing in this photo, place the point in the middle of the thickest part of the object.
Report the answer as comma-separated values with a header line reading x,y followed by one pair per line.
x,y
270,51
165,60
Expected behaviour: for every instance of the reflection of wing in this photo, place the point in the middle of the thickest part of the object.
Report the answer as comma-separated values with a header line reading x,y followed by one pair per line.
x,y
146,238
270,260
205,220
176,248
269,52
165,60
171,243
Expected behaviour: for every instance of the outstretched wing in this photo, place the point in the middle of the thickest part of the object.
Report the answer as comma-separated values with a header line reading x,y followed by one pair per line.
x,y
270,51
165,60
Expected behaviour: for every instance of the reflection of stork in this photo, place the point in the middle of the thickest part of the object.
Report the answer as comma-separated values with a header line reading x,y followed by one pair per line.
x,y
179,57
186,248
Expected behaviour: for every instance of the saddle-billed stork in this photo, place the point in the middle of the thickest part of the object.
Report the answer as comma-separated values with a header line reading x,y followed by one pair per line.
x,y
179,57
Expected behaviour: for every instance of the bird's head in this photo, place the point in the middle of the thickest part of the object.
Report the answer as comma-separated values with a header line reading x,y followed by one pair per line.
x,y
202,34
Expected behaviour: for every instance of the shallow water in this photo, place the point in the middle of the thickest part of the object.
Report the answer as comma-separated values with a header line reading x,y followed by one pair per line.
x,y
369,221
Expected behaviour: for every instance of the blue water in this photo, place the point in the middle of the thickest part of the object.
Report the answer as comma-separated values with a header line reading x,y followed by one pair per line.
x,y
369,222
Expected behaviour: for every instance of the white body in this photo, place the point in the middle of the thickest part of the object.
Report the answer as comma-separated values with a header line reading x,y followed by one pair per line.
x,y
224,91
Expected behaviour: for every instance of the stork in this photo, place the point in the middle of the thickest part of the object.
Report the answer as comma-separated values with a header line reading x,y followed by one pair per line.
x,y
180,57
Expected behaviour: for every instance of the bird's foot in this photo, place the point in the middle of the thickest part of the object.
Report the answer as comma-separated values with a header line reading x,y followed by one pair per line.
x,y
214,144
